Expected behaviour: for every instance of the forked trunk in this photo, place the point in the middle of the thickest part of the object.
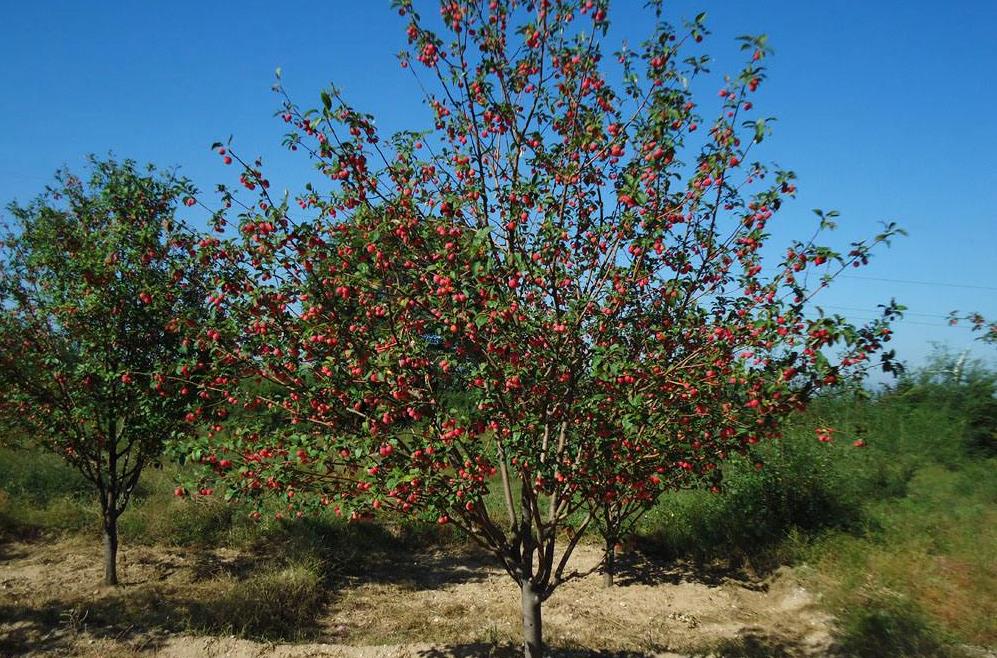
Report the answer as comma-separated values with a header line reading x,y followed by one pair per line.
x,y
111,550
533,646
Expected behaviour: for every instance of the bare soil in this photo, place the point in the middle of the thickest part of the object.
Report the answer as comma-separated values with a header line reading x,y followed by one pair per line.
x,y
432,605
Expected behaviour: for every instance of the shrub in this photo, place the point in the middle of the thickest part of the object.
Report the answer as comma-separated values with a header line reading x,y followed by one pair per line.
x,y
797,491
965,389
889,625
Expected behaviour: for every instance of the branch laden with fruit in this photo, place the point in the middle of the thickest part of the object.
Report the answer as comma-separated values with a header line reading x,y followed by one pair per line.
x,y
986,329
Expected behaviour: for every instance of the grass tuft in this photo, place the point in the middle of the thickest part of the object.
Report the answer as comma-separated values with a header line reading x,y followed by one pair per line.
x,y
277,603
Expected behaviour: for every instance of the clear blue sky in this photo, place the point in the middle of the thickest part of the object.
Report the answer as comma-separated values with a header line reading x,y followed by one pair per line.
x,y
886,111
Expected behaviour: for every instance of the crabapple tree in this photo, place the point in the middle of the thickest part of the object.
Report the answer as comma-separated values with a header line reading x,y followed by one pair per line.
x,y
562,292
95,280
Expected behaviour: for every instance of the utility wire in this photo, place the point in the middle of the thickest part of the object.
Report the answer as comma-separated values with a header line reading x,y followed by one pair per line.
x,y
902,319
919,283
873,310
960,325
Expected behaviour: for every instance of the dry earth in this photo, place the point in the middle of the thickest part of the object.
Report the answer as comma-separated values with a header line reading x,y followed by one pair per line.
x,y
434,605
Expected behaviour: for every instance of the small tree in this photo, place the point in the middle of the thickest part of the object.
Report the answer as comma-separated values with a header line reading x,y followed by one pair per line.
x,y
537,298
94,278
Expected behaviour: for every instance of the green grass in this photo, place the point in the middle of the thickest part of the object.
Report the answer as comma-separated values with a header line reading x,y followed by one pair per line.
x,y
927,557
931,559
886,623
39,491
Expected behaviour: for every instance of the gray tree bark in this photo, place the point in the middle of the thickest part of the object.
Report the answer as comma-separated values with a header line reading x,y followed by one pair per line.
x,y
533,646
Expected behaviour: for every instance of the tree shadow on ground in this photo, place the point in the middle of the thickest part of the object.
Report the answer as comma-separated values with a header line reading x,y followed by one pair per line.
x,y
758,644
8,551
162,593
428,570
751,643
276,592
639,568
53,629
408,555
13,533
27,629
147,616
172,591
483,650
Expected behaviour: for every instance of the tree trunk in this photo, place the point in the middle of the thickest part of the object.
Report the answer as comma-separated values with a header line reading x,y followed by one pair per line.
x,y
609,568
110,549
533,646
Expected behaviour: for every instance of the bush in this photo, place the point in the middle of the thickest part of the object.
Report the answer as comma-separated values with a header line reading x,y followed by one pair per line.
x,y
888,625
966,390
981,428
796,492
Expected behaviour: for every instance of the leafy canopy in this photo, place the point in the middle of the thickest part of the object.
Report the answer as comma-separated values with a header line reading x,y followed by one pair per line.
x,y
95,279
555,297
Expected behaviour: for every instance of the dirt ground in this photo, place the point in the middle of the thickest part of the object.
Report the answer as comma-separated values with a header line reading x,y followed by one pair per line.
x,y
433,605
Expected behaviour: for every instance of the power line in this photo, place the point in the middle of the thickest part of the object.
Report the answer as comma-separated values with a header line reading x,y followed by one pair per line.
x,y
923,324
874,310
919,283
960,325
905,320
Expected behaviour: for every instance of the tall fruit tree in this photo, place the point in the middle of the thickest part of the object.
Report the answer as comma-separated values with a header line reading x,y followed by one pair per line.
x,y
95,277
562,294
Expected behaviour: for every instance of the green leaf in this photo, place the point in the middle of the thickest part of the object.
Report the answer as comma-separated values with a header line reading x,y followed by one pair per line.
x,y
480,236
